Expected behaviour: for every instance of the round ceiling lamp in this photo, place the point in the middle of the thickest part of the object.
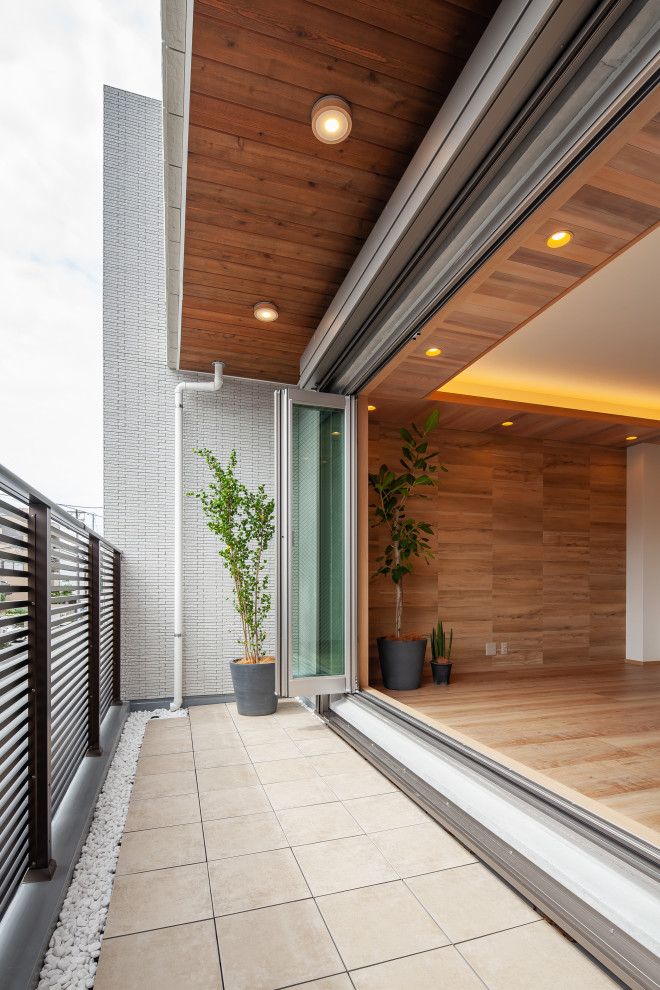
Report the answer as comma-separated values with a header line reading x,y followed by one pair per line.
x,y
507,422
559,238
266,311
371,408
331,119
433,351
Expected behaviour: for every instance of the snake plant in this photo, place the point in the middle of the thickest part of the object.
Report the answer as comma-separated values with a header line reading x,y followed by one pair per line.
x,y
440,645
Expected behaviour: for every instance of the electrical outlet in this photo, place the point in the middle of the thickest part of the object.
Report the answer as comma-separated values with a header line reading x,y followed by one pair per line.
x,y
491,649
504,649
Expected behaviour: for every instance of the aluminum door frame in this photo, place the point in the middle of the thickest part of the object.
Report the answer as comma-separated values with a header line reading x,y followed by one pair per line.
x,y
287,685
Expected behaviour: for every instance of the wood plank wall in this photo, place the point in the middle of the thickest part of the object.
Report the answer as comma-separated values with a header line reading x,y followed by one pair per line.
x,y
530,548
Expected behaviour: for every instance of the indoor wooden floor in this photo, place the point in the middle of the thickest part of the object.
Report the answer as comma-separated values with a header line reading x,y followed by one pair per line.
x,y
593,734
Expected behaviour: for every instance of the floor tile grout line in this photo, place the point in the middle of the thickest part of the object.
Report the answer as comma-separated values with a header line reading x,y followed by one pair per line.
x,y
331,936
498,931
422,952
152,828
428,873
206,856
161,928
263,907
159,869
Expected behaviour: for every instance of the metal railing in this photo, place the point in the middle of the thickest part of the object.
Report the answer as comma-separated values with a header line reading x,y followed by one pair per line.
x,y
59,667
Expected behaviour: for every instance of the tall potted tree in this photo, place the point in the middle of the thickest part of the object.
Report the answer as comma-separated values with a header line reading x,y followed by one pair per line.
x,y
243,520
402,658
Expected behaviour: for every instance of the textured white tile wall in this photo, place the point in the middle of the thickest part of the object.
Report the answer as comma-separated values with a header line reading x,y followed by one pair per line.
x,y
139,430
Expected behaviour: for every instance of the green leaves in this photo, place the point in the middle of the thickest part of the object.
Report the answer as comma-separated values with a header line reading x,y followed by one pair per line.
x,y
408,538
432,421
440,647
244,522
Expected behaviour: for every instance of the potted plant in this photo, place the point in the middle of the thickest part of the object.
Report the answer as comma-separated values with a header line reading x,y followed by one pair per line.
x,y
243,520
440,654
402,657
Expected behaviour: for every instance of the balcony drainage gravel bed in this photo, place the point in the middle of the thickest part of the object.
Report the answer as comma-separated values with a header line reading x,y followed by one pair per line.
x,y
71,958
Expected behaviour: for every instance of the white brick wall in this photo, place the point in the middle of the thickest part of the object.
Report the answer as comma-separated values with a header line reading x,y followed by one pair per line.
x,y
138,404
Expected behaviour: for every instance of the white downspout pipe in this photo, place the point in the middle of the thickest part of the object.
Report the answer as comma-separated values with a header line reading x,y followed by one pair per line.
x,y
214,386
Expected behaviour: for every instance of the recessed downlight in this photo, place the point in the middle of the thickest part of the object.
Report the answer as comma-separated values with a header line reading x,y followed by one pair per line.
x,y
433,351
266,311
631,438
371,408
559,238
507,422
336,433
331,119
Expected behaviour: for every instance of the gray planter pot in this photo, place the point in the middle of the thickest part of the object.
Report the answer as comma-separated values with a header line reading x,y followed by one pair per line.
x,y
401,663
441,671
254,687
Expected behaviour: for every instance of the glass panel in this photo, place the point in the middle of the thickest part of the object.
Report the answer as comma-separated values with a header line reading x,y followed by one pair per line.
x,y
318,541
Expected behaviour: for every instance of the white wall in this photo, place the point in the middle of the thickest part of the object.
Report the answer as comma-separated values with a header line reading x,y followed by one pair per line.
x,y
139,431
643,554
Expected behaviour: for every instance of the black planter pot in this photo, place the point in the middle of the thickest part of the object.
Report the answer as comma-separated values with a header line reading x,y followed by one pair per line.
x,y
254,687
401,662
441,672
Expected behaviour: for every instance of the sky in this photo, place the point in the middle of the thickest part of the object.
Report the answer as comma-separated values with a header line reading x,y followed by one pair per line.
x,y
54,60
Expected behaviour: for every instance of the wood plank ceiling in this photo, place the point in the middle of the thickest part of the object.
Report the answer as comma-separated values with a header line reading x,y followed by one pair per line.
x,y
272,213
611,201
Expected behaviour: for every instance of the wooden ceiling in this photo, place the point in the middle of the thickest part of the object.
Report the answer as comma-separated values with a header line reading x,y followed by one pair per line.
x,y
271,213
610,202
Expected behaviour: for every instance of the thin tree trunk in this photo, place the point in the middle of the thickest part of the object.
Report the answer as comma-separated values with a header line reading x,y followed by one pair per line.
x,y
399,595
399,610
256,604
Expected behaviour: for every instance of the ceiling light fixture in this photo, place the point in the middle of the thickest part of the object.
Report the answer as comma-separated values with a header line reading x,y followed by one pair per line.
x,y
371,408
331,119
631,438
507,422
433,351
559,238
266,311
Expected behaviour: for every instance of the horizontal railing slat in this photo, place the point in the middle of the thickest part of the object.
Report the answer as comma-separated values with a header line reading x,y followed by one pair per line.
x,y
14,525
12,541
13,509
16,589
17,603
16,557
12,572
13,620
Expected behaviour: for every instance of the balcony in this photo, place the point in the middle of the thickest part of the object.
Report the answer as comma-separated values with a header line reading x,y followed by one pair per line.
x,y
256,854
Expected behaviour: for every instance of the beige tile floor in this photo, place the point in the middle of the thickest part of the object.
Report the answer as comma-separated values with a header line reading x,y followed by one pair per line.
x,y
263,853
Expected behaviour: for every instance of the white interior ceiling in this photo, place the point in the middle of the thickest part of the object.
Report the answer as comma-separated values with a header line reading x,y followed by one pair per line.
x,y
597,348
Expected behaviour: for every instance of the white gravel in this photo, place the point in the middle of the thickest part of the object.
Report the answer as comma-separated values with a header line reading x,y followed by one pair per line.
x,y
72,955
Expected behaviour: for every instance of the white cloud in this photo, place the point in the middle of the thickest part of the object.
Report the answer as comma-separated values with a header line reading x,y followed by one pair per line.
x,y
54,60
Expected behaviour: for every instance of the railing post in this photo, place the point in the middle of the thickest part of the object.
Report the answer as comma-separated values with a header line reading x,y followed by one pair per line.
x,y
42,866
94,650
116,628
